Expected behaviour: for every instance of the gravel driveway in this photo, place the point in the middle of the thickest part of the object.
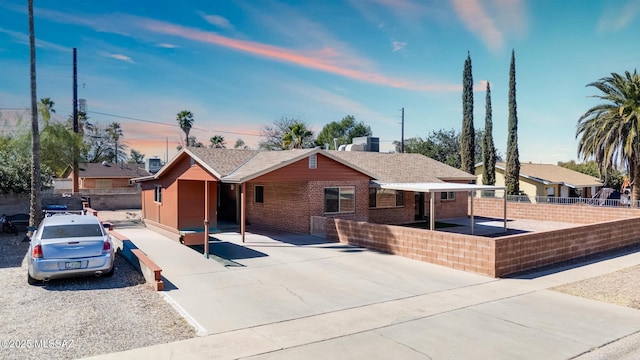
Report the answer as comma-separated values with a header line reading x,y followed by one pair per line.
x,y
68,319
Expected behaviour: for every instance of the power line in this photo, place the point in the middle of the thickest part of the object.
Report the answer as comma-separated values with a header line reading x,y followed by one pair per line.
x,y
174,125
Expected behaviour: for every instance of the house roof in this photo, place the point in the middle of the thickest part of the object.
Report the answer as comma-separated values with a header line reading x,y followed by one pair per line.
x,y
554,174
238,166
98,170
402,167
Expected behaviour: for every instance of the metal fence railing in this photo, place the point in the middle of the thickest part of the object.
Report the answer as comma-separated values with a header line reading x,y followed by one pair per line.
x,y
623,202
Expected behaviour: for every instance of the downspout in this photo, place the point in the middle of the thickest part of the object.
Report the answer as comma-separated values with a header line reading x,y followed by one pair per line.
x,y
432,211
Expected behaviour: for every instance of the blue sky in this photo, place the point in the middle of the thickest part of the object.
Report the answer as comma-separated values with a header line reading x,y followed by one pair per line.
x,y
240,65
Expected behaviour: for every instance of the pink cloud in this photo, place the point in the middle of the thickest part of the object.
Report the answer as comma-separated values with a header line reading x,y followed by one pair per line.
x,y
478,21
290,56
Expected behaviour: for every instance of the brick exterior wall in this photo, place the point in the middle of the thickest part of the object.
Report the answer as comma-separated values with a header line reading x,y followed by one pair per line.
x,y
395,215
576,214
447,209
290,205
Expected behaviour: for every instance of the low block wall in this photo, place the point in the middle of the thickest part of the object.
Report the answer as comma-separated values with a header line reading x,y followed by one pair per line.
x,y
488,256
462,252
528,251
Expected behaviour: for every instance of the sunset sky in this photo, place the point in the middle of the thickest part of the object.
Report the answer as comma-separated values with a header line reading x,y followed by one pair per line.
x,y
240,65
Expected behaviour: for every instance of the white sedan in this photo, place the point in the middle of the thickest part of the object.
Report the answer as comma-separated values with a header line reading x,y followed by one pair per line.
x,y
69,245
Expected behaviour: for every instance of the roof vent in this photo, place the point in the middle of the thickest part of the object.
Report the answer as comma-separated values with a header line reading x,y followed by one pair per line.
x,y
105,163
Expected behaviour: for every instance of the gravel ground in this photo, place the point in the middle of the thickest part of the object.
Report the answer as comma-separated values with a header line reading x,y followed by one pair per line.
x,y
620,287
72,318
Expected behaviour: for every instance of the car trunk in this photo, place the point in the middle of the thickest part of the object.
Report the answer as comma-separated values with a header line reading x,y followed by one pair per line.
x,y
72,248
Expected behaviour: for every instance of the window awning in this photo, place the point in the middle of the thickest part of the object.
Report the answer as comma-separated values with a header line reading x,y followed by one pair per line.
x,y
443,187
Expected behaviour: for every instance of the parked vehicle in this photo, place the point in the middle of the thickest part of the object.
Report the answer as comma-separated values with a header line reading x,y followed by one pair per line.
x,y
69,245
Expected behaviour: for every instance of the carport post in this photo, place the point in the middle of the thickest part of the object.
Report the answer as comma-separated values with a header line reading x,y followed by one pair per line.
x,y
432,211
473,194
206,219
243,198
505,210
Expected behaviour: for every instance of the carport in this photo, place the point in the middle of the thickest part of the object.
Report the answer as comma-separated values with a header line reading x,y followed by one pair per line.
x,y
432,188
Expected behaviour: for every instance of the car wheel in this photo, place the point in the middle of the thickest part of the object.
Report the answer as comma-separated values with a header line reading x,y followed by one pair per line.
x,y
33,281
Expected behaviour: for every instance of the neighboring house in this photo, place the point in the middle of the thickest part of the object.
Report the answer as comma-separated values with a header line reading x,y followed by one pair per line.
x,y
106,176
286,190
548,180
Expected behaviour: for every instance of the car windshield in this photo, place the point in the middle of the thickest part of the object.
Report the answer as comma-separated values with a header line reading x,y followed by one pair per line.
x,y
67,231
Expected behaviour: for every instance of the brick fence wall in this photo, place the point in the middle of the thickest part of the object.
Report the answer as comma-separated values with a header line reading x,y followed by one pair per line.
x,y
463,252
494,257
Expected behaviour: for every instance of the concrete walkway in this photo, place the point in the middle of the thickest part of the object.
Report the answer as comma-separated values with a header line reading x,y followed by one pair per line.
x,y
287,296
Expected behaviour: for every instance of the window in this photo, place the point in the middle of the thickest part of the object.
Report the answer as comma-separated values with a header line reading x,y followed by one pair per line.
x,y
448,195
157,194
258,193
313,161
385,198
339,199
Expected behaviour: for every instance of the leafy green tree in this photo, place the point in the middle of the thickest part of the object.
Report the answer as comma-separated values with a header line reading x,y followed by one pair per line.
x,y
488,148
467,136
97,146
344,130
512,171
35,202
114,132
15,164
273,135
444,146
297,137
240,145
185,121
136,157
56,147
45,109
609,133
217,142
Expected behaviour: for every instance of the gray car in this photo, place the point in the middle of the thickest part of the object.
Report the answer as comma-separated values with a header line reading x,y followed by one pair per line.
x,y
66,245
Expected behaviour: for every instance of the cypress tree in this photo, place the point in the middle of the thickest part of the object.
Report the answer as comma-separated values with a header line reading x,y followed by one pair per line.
x,y
488,148
512,171
467,135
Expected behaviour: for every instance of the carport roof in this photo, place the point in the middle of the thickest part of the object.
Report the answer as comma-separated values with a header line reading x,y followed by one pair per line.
x,y
436,187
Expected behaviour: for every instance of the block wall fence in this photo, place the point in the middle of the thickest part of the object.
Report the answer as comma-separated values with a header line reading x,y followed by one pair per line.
x,y
597,229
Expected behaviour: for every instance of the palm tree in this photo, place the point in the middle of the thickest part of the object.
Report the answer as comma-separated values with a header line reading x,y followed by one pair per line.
x,y
610,132
35,215
217,141
185,120
297,136
115,132
45,108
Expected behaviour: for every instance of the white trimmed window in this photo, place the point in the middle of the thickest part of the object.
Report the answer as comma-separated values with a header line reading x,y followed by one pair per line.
x,y
340,199
449,195
313,161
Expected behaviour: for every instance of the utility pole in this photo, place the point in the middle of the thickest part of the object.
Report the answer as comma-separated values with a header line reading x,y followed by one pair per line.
x,y
402,137
75,122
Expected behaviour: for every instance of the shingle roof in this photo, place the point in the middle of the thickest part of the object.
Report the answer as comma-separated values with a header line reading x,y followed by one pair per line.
x,y
403,168
550,173
97,170
222,161
235,165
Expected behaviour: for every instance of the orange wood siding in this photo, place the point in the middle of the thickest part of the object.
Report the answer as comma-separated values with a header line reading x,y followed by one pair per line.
x,y
191,203
326,170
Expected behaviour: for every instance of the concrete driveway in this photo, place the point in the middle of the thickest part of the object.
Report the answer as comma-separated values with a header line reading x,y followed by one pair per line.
x,y
294,296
